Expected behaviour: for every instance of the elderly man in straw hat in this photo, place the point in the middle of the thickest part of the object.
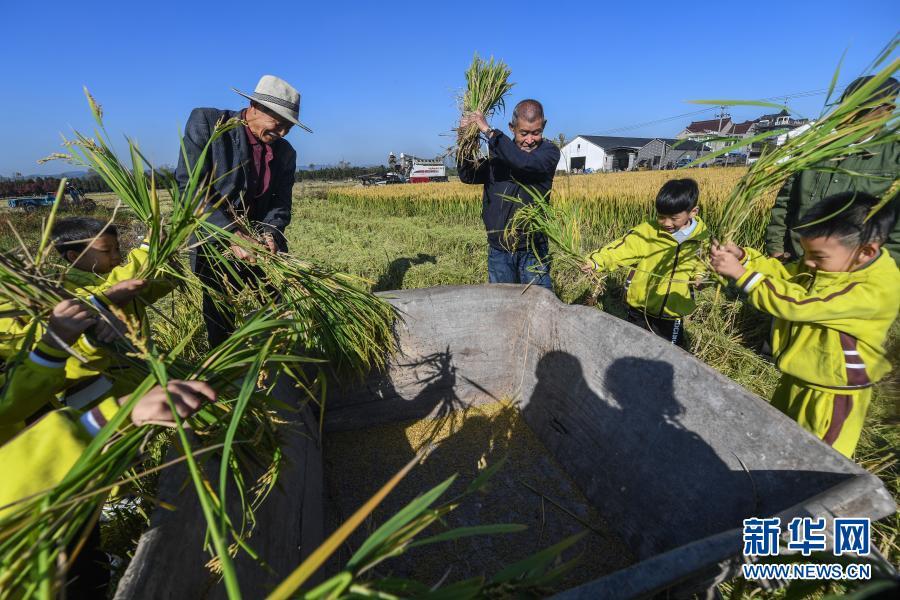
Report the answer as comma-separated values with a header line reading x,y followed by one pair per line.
x,y
252,169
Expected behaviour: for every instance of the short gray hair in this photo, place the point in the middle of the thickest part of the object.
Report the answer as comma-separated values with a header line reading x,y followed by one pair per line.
x,y
529,109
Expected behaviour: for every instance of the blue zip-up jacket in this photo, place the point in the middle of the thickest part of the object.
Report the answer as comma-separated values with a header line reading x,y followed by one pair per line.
x,y
506,168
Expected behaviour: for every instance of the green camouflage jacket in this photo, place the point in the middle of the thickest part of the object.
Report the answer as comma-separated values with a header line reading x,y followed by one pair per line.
x,y
803,190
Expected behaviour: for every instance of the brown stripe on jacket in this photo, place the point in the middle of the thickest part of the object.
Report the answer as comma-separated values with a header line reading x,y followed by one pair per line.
x,y
624,237
840,410
808,300
854,376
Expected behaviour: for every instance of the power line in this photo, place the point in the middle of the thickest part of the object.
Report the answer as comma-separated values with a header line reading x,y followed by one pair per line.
x,y
785,97
663,120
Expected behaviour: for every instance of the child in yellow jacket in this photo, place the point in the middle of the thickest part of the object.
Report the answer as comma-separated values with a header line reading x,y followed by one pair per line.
x,y
832,313
28,385
91,246
38,457
664,256
97,273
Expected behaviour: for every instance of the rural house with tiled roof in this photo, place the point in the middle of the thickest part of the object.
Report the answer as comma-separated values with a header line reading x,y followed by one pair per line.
x,y
589,153
702,131
717,126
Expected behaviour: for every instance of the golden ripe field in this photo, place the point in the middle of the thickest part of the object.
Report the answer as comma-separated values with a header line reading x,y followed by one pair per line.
x,y
605,202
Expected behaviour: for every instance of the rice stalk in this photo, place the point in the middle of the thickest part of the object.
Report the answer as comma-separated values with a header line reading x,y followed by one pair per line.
x,y
487,83
167,234
334,317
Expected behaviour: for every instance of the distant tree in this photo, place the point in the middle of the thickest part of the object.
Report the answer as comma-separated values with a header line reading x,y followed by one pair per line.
x,y
344,170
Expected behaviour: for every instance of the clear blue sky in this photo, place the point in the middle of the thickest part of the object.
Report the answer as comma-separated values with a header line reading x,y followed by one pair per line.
x,y
382,76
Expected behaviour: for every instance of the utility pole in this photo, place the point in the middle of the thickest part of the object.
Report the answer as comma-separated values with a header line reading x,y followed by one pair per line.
x,y
722,115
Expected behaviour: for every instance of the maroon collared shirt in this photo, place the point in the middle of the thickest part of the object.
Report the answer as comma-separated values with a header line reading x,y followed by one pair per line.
x,y
259,174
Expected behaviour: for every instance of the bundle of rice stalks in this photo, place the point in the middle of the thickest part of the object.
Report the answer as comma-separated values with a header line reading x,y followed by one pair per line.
x,y
539,217
59,518
853,126
333,316
487,82
562,229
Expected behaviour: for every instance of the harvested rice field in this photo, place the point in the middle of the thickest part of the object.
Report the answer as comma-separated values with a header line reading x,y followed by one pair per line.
x,y
531,489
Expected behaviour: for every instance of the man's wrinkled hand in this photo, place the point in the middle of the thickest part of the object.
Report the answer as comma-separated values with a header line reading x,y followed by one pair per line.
x,y
474,117
241,252
269,242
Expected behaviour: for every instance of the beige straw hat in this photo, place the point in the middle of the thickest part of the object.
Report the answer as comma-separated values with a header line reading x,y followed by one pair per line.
x,y
279,96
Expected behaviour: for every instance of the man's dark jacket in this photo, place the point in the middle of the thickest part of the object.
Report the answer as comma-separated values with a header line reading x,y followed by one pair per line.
x,y
507,169
230,156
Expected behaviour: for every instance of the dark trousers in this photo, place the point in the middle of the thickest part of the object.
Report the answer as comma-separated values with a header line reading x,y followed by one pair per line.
x,y
520,266
89,575
668,329
218,316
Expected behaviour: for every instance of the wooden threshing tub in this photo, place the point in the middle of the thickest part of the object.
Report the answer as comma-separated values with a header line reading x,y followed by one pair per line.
x,y
671,454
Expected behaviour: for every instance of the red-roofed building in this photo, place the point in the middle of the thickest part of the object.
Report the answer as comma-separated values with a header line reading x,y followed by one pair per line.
x,y
703,131
710,127
742,129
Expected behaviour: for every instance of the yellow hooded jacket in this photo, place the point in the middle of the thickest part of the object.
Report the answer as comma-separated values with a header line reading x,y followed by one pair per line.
x,y
829,328
663,271
28,386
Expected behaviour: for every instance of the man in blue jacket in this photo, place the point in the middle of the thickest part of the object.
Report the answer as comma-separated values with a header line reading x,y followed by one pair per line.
x,y
525,160
252,169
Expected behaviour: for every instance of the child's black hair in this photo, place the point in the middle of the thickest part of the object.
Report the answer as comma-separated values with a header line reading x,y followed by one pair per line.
x,y
76,233
676,196
845,215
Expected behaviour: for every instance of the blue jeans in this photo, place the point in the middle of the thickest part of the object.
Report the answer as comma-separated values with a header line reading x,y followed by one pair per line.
x,y
520,266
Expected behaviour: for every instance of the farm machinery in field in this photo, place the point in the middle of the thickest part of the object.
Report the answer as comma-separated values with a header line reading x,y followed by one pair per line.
x,y
72,200
408,169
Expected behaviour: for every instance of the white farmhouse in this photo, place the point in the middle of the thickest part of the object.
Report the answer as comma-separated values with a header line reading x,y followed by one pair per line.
x,y
600,153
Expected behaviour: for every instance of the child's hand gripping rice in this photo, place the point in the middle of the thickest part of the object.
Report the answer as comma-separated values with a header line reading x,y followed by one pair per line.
x,y
98,274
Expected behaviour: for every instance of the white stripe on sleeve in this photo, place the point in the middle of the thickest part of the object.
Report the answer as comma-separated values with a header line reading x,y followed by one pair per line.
x,y
90,423
751,283
46,362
